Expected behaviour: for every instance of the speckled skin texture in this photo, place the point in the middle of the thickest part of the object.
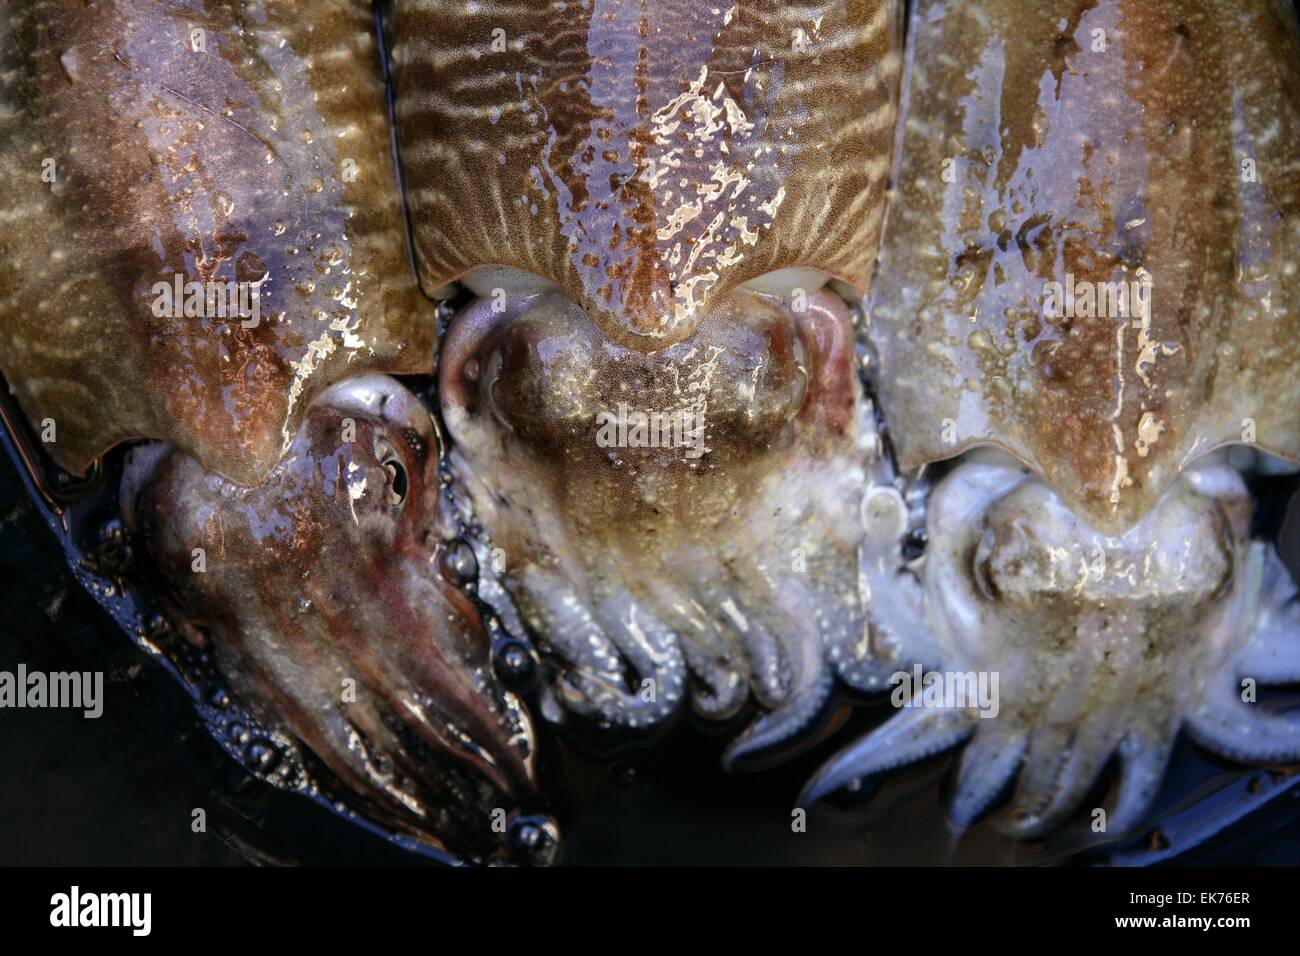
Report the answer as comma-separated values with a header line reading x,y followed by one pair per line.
x,y
645,158
711,569
631,171
1104,166
1107,579
250,142
258,149
332,570
1100,644
671,210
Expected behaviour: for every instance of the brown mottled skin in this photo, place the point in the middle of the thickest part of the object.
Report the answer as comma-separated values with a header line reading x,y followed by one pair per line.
x,y
1107,580
256,149
649,201
646,158
655,160
228,162
1100,164
329,571
669,188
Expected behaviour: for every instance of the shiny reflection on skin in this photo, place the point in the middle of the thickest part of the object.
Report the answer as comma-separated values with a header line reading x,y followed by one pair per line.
x,y
1108,575
1100,644
239,143
1104,147
326,596
646,159
707,569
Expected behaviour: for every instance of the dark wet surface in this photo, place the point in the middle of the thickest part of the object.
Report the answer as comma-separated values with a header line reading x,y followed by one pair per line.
x,y
121,789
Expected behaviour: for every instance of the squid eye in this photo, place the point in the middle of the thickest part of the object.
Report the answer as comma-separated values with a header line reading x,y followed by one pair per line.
x,y
398,481
915,542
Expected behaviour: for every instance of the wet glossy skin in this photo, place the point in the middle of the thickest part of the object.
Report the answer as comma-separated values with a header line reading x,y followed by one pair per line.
x,y
264,153
680,155
250,142
605,183
1101,644
713,564
645,203
1105,166
1109,581
326,594
645,158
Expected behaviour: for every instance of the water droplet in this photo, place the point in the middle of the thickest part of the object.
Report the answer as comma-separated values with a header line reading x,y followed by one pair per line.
x,y
458,564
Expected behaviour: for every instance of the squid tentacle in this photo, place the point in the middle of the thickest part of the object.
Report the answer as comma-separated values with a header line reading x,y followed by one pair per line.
x,y
790,718
1232,728
595,681
1054,783
912,735
1273,654
987,763
1142,769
